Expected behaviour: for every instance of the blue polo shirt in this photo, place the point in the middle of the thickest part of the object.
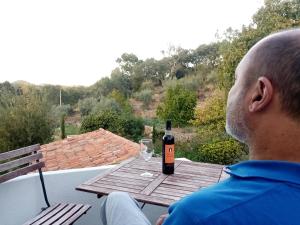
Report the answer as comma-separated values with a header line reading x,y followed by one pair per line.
x,y
257,193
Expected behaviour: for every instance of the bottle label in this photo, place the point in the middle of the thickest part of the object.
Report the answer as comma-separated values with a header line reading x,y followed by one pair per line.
x,y
169,153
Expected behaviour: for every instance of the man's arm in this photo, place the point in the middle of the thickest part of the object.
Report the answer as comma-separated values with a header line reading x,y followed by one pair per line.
x,y
161,219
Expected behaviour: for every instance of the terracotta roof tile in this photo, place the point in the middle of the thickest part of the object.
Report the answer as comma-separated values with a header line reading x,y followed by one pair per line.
x,y
94,148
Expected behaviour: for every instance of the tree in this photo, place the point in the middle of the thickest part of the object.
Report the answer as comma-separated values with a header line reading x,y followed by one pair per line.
x,y
178,105
274,16
86,105
25,121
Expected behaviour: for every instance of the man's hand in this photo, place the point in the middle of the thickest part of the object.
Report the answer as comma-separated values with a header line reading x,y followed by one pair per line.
x,y
161,219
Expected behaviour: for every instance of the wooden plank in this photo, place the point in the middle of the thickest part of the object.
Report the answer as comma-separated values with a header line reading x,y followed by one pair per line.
x,y
115,188
175,198
138,171
192,176
197,182
74,215
122,184
108,172
21,171
60,214
172,190
180,184
43,213
139,197
154,184
119,184
124,180
201,164
20,161
19,152
175,187
161,201
50,214
98,190
68,214
168,193
133,176
193,171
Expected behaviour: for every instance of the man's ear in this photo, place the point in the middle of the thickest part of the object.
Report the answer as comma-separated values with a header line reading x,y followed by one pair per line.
x,y
261,95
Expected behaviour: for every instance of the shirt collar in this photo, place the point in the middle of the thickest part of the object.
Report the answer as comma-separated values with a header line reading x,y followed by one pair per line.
x,y
268,169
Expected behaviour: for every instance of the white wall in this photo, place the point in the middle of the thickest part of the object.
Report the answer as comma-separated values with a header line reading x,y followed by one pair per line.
x,y
22,198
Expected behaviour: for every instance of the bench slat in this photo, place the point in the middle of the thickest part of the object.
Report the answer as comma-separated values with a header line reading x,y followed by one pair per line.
x,y
19,152
76,215
20,162
59,215
50,214
45,212
21,171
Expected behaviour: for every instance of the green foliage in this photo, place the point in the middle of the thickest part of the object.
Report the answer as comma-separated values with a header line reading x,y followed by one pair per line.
x,y
72,129
107,119
274,16
145,96
124,125
106,103
192,83
121,100
86,105
178,106
62,127
226,151
25,121
215,145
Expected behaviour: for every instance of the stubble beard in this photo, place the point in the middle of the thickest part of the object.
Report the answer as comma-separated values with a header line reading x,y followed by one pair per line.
x,y
235,121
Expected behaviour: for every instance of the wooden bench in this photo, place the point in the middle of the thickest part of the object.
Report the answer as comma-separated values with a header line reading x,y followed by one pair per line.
x,y
25,160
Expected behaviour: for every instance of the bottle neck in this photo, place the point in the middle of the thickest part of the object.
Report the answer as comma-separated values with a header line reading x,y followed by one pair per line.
x,y
168,132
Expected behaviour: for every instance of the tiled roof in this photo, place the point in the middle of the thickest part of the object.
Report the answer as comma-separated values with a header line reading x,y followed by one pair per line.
x,y
95,148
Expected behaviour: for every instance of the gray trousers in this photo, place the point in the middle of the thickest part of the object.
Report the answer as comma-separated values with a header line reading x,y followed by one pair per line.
x,y
120,209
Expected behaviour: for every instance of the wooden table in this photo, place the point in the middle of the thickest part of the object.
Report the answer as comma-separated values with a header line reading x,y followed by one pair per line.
x,y
160,189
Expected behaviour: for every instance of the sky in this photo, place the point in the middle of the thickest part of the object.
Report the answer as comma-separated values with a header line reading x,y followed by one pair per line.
x,y
77,42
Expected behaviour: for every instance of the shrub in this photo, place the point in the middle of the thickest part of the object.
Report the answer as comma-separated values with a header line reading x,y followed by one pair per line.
x,y
145,96
107,119
221,152
25,121
178,105
105,104
147,85
86,105
215,146
121,124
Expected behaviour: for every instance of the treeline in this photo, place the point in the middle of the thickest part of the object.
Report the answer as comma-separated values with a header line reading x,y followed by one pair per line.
x,y
181,73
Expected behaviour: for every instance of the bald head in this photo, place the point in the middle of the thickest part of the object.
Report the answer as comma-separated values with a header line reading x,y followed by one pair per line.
x,y
277,57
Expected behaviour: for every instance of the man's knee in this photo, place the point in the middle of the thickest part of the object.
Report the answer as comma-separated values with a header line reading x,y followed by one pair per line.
x,y
118,197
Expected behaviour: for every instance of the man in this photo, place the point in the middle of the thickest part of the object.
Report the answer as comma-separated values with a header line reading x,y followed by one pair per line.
x,y
263,111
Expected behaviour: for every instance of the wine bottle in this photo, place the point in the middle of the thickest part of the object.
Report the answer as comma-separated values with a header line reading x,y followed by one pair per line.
x,y
168,147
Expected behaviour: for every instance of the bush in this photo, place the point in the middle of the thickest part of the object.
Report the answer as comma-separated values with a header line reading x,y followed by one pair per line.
x,y
192,83
106,103
108,120
216,146
178,106
86,105
25,121
145,96
132,128
147,85
221,152
121,124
